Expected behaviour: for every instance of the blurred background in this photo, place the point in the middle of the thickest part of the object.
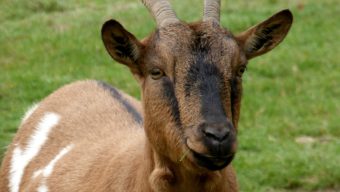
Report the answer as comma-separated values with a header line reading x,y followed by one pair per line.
x,y
289,132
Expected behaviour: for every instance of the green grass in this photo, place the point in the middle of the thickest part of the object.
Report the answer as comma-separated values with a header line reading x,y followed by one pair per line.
x,y
290,93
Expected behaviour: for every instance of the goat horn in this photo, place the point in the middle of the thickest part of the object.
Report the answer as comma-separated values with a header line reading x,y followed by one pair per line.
x,y
161,11
212,10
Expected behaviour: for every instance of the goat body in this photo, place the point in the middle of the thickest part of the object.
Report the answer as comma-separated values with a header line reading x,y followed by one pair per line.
x,y
94,141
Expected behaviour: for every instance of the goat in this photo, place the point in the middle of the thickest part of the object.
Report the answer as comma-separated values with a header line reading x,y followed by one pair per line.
x,y
88,136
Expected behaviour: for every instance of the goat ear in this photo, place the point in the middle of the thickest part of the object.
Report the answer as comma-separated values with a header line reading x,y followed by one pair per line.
x,y
121,45
265,36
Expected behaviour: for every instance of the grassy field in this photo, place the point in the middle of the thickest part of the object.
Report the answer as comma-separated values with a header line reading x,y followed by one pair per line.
x,y
289,138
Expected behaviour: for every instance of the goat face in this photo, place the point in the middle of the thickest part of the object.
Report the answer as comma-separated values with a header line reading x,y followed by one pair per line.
x,y
189,82
191,76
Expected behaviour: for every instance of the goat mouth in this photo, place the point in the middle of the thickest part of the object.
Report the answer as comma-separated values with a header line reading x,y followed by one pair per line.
x,y
212,163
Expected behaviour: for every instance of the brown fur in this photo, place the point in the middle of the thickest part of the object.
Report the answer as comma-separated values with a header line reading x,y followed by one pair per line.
x,y
92,133
110,147
191,81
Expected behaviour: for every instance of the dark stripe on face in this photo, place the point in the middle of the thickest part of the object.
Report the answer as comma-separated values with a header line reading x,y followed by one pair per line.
x,y
205,79
236,93
170,96
209,87
212,106
134,113
200,48
234,89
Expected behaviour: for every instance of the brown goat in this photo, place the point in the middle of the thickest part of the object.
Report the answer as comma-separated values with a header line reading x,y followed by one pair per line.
x,y
88,136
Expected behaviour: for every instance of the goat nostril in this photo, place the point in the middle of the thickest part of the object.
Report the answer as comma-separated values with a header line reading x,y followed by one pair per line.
x,y
216,134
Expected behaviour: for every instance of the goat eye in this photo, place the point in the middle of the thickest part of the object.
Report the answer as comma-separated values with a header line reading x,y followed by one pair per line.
x,y
241,70
156,73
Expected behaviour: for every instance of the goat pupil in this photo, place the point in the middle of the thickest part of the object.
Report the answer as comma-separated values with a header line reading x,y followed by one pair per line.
x,y
156,73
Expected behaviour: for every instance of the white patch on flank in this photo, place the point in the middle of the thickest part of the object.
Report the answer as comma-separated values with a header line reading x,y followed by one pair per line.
x,y
29,112
22,157
47,171
49,168
36,173
42,188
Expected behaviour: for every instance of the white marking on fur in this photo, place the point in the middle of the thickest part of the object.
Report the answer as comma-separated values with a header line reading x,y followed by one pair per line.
x,y
21,158
36,173
29,112
42,188
47,171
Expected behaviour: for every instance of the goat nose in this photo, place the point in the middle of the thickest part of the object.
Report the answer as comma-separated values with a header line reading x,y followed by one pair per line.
x,y
216,133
